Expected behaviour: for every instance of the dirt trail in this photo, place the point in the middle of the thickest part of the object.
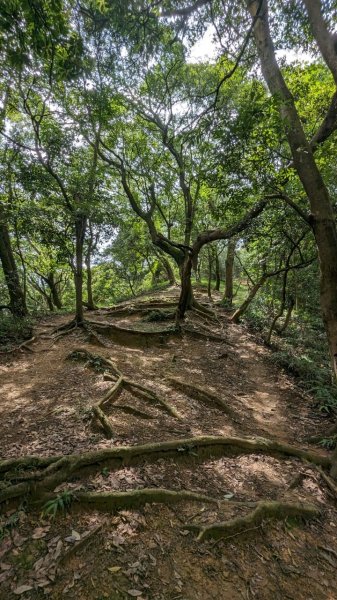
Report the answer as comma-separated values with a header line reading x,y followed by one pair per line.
x,y
146,553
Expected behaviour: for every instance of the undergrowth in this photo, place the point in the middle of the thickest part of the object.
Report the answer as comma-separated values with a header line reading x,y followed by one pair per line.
x,y
302,351
159,315
14,330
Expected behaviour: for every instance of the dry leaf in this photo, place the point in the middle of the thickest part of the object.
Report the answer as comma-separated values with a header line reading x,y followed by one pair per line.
x,y
134,593
22,589
114,569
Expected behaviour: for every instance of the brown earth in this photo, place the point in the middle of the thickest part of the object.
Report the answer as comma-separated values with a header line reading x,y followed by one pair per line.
x,y
147,553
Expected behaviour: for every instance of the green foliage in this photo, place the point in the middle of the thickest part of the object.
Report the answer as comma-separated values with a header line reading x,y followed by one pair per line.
x,y
159,315
9,524
329,443
61,503
13,330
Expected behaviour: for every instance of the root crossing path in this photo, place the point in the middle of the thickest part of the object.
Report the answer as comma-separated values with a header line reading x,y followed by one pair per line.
x,y
160,464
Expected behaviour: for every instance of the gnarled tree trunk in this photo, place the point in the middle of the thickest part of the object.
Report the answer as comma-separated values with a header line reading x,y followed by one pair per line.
x,y
322,218
229,271
217,272
242,309
55,294
80,227
17,302
186,293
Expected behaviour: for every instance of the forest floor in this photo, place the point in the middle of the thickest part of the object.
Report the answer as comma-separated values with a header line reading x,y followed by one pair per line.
x,y
146,551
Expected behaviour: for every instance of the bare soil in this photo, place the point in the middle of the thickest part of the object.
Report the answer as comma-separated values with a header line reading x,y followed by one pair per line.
x,y
147,553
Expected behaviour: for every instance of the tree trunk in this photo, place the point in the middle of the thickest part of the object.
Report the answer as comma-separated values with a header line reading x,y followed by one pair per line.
x,y
229,271
239,312
49,302
17,302
282,305
210,265
90,300
186,294
288,316
54,290
322,217
80,227
169,270
217,272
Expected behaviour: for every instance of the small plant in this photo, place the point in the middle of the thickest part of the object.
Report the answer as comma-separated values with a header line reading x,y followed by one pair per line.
x,y
9,525
188,448
326,398
159,315
14,330
329,443
96,364
61,503
105,472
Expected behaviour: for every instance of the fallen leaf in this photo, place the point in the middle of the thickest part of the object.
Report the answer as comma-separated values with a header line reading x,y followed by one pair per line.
x,y
40,532
114,569
134,593
22,589
58,550
5,566
43,583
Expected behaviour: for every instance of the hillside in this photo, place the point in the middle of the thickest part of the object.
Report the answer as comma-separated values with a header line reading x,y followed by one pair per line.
x,y
118,499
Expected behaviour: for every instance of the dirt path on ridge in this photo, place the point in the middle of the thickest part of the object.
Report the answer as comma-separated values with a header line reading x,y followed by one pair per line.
x,y
146,553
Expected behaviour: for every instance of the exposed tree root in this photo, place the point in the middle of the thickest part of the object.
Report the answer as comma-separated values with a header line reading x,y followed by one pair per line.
x,y
134,338
148,394
333,471
112,501
203,395
62,469
133,411
26,462
23,346
139,308
103,419
264,510
201,308
113,392
135,388
94,360
330,483
203,335
94,337
157,304
79,546
65,327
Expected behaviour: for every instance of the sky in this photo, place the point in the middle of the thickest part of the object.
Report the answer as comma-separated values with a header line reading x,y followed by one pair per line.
x,y
207,50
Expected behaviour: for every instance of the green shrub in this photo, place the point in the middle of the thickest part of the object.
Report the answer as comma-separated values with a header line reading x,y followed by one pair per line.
x,y
159,315
14,330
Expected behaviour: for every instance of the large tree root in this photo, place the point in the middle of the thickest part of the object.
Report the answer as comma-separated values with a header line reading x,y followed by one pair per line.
x,y
203,395
333,471
139,308
264,510
203,335
104,421
330,482
23,346
135,388
62,469
112,501
134,338
133,411
65,328
201,308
